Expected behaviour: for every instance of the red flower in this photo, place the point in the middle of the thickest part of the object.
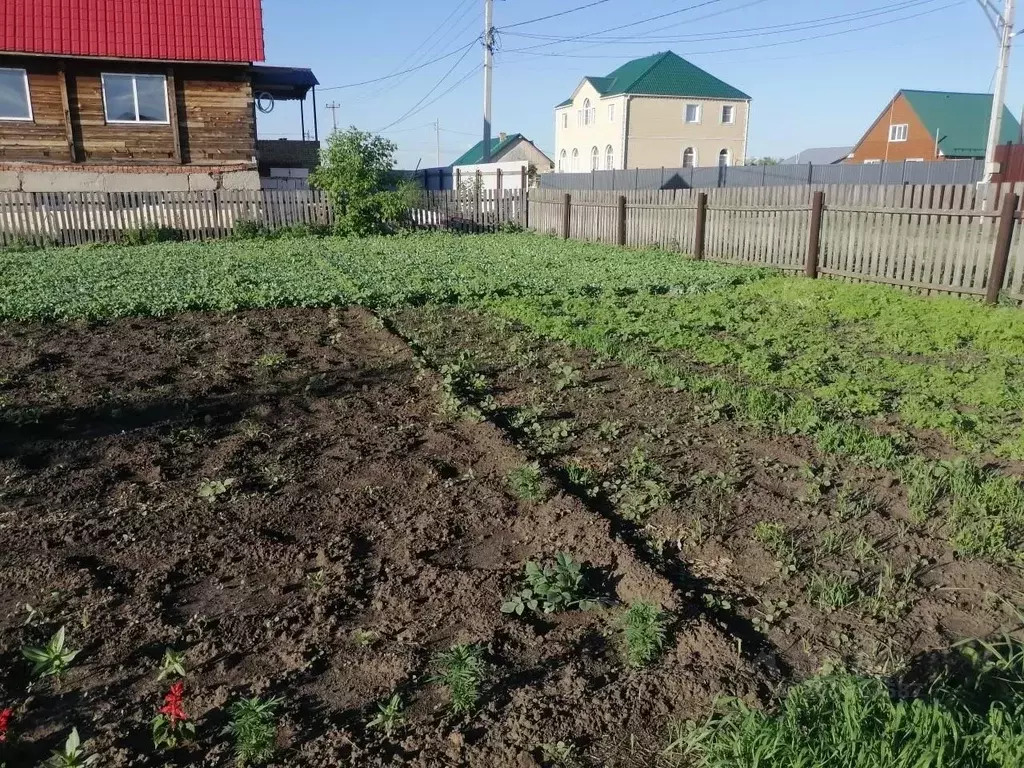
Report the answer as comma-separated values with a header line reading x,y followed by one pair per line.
x,y
5,719
173,706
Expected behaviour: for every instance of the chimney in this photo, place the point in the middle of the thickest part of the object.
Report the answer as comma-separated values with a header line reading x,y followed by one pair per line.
x,y
502,136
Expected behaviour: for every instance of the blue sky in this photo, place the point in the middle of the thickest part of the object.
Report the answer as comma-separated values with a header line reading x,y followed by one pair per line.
x,y
806,92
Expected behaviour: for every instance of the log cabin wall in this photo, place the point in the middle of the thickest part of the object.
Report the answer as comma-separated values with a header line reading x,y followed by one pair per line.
x,y
211,116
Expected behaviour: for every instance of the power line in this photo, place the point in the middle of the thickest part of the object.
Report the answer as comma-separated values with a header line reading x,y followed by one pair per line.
x,y
430,37
529,52
556,15
773,29
439,96
404,71
412,110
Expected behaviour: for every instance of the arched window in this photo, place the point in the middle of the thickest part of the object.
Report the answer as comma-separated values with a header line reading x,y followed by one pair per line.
x,y
575,160
586,111
595,159
561,162
723,158
609,158
689,158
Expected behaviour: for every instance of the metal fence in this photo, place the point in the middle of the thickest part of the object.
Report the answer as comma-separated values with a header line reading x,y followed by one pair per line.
x,y
942,172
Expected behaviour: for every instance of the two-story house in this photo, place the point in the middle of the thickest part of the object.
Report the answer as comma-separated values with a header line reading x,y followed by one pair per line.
x,y
654,112
918,126
140,95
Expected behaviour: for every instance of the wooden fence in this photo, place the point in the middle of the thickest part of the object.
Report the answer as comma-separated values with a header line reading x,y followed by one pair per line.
x,y
73,218
934,238
470,210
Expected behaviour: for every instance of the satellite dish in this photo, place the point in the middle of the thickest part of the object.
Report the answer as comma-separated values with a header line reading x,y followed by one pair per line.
x,y
265,102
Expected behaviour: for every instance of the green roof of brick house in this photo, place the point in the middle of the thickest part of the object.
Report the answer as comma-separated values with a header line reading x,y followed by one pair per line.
x,y
663,74
475,156
960,120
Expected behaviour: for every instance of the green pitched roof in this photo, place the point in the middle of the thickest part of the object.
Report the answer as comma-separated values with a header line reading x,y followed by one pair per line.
x,y
663,74
475,156
961,120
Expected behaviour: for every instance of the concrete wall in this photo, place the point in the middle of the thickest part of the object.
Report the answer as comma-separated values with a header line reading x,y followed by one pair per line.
x,y
658,134
79,179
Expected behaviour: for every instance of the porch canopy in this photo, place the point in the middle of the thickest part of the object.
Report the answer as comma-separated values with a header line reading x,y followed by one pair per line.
x,y
287,84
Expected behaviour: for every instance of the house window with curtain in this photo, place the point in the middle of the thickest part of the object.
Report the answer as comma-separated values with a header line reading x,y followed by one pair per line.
x,y
589,114
609,158
595,159
689,158
692,113
575,160
15,102
561,162
723,157
728,114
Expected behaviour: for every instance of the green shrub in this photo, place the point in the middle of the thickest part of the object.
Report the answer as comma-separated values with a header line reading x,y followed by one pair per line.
x,y
148,235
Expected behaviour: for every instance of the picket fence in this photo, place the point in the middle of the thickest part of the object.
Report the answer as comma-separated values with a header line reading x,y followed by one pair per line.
x,y
74,218
939,239
470,210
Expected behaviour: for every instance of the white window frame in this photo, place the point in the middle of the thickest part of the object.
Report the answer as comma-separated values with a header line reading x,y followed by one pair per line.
x,y
872,162
565,119
894,132
686,112
135,93
611,113
595,158
609,158
728,158
28,97
575,167
732,114
682,158
915,159
563,161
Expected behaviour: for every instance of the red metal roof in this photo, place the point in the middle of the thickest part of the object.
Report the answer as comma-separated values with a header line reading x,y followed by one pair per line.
x,y
167,30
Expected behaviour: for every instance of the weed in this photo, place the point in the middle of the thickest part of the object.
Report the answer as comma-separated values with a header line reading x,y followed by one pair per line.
x,y
831,543
271,360
831,592
53,659
316,580
211,490
923,488
638,500
853,504
566,376
644,626
582,478
253,727
775,538
608,431
390,716
863,549
172,666
364,638
551,588
559,754
771,612
461,670
73,755
527,482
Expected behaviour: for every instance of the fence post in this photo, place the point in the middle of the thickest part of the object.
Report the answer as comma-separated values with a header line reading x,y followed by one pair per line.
x,y
497,174
699,229
814,243
522,181
622,220
810,174
997,272
524,201
566,215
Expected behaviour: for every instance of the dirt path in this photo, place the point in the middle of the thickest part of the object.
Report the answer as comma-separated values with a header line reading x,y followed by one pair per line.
x,y
276,494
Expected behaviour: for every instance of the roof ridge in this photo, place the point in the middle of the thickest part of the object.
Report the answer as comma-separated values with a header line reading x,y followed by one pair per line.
x,y
949,93
656,59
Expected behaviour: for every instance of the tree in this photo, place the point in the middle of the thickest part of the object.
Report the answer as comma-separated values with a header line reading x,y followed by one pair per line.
x,y
357,172
765,161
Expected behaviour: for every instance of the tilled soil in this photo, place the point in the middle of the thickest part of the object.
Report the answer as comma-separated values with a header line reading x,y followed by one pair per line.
x,y
278,495
910,596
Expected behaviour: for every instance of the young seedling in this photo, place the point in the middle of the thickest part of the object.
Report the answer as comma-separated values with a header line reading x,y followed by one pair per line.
x,y
566,376
390,716
211,490
171,726
253,727
551,588
643,626
559,754
777,541
271,360
53,660
831,592
172,666
72,756
461,670
527,482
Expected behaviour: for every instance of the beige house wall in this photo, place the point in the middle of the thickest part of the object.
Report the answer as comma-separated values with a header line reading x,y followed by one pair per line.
x,y
603,131
658,133
526,151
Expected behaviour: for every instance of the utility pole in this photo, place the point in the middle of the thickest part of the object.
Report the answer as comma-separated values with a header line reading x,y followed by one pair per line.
x,y
1002,24
334,107
437,131
488,74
